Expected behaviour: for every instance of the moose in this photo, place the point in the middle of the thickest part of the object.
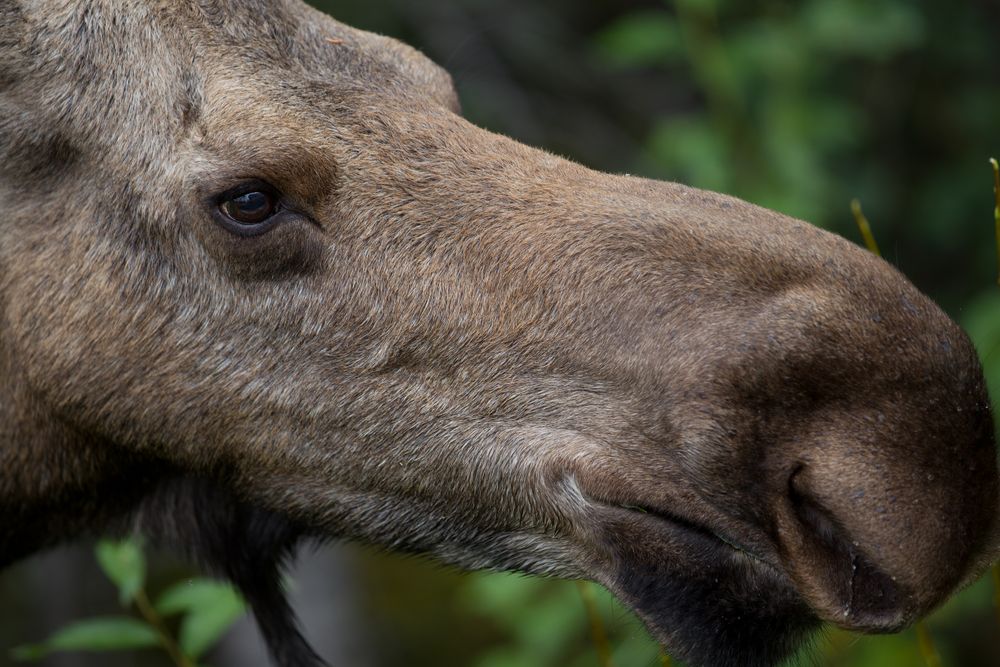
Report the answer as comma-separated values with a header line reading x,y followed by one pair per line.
x,y
261,283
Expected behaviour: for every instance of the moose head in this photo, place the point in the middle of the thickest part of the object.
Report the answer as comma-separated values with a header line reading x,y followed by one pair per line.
x,y
261,282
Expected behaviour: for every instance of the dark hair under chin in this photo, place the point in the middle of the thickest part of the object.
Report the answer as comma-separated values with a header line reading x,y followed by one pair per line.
x,y
716,615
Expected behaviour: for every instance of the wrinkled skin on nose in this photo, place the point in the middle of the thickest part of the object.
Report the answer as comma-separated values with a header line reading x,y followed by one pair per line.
x,y
453,344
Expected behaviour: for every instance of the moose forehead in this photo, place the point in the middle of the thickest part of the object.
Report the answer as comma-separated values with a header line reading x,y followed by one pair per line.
x,y
130,79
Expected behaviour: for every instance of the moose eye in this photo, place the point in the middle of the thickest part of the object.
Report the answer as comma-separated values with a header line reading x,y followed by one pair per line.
x,y
250,208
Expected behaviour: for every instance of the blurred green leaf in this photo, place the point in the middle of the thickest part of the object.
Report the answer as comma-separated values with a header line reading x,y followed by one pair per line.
x,y
211,608
703,6
191,594
112,633
123,563
641,39
982,320
509,656
770,49
863,28
692,151
500,592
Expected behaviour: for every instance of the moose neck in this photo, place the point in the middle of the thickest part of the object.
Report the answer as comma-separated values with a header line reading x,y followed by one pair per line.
x,y
55,479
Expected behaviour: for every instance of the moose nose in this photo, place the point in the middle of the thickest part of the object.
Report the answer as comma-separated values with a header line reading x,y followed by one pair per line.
x,y
873,545
847,587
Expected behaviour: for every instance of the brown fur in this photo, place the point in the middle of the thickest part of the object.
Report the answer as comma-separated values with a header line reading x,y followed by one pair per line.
x,y
451,344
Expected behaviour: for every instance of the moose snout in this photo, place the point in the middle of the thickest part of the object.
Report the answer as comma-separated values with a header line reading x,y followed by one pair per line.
x,y
845,586
875,537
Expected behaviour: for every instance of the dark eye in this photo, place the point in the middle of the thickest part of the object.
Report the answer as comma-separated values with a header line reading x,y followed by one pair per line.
x,y
250,208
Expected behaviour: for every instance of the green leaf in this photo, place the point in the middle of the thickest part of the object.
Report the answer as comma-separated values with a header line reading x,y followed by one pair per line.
x,y
124,564
211,608
203,628
981,318
877,30
28,652
692,151
700,6
112,633
192,594
641,38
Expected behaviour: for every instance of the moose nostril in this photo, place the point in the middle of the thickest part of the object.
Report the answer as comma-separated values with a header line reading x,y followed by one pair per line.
x,y
848,587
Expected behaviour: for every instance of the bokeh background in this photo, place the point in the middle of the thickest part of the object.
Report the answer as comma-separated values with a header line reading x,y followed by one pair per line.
x,y
799,106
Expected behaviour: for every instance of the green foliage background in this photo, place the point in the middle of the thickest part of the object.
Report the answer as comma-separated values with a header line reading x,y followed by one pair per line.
x,y
204,610
795,105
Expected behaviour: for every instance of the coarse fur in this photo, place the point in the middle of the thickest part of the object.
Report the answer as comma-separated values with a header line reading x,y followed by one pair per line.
x,y
449,343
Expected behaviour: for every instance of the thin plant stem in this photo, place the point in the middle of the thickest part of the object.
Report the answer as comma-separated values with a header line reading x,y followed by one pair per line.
x,y
995,570
166,639
866,229
926,644
597,631
996,208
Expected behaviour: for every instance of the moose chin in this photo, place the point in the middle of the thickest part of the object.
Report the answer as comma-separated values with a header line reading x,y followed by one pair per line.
x,y
260,282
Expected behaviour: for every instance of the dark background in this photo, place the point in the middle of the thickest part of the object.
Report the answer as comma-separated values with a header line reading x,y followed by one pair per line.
x,y
798,106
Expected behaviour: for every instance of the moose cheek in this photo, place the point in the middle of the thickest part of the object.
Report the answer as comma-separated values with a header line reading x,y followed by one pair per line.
x,y
293,247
